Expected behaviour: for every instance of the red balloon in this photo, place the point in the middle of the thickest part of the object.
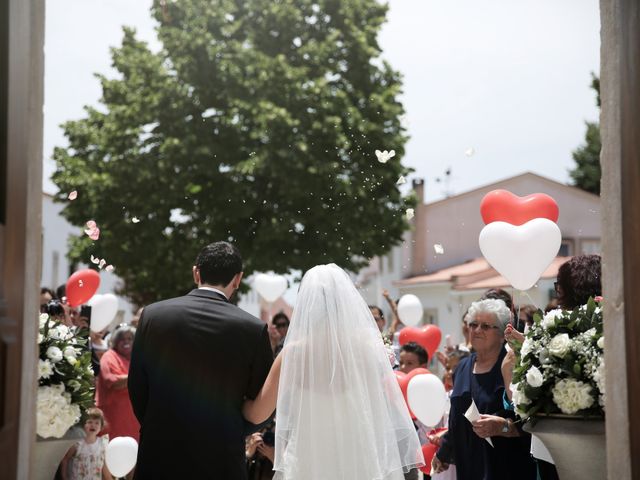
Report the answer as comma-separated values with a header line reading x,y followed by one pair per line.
x,y
428,450
81,286
504,206
428,337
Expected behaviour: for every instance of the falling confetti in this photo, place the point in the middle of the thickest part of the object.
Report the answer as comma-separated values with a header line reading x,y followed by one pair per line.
x,y
95,260
439,249
410,213
469,152
135,220
109,268
401,180
384,156
73,195
92,230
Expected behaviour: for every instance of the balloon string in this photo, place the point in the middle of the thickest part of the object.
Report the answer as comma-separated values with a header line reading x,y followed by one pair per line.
x,y
531,300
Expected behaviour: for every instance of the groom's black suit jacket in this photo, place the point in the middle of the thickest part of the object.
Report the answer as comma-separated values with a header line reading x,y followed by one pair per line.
x,y
195,358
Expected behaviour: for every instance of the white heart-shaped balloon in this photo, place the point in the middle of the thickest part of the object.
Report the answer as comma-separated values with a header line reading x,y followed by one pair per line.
x,y
103,309
410,310
270,287
521,253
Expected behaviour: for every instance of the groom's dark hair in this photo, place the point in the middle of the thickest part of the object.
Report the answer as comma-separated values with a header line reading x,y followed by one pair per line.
x,y
218,263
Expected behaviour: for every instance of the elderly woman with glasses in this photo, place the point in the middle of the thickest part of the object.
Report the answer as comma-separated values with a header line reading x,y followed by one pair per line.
x,y
478,380
112,394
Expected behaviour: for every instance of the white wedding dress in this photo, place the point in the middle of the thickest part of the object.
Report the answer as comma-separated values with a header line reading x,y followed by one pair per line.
x,y
340,412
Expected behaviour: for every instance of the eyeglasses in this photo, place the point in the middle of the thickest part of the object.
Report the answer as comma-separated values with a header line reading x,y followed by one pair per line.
x,y
281,325
483,326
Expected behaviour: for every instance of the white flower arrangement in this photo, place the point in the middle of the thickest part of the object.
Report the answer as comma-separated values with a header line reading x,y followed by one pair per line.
x,y
65,377
560,368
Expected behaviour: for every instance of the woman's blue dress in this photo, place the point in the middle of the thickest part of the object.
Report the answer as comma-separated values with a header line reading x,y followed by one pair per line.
x,y
473,457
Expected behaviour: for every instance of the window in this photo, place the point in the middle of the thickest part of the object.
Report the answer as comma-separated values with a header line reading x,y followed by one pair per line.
x,y
588,247
430,316
566,248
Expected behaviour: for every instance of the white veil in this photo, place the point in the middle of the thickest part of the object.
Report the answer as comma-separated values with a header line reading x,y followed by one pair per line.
x,y
340,413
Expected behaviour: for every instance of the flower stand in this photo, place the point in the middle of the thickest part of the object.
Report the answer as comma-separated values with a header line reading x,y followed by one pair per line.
x,y
576,444
49,452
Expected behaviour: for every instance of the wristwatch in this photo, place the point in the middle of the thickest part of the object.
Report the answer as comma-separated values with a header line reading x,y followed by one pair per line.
x,y
505,428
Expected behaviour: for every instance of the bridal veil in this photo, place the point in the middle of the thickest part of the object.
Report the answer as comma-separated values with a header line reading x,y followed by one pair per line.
x,y
340,411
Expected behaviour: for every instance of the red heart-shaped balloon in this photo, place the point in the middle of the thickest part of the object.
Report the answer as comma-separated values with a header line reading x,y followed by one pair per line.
x,y
428,337
81,286
428,451
504,206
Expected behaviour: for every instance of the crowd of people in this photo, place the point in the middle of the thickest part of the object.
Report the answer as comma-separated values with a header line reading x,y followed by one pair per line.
x,y
478,370
112,415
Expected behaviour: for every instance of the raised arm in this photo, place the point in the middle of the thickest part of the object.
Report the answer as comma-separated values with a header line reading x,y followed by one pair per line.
x,y
395,319
258,410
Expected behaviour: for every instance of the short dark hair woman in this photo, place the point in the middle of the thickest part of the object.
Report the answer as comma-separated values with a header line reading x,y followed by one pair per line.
x,y
578,279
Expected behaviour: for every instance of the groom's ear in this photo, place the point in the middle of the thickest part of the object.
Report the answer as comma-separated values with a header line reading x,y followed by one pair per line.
x,y
196,275
237,279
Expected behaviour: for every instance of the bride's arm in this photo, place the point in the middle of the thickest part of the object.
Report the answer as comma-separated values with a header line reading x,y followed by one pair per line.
x,y
258,410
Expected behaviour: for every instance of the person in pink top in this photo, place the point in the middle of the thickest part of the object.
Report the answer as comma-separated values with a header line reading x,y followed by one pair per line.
x,y
112,394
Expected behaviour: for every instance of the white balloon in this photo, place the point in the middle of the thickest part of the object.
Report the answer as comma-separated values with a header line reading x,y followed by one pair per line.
x,y
120,455
410,310
521,253
103,309
270,287
427,398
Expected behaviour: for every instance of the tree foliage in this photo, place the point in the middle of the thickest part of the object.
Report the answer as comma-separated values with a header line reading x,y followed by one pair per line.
x,y
257,122
586,174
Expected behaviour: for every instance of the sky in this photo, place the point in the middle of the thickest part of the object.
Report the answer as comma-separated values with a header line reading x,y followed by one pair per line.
x,y
509,80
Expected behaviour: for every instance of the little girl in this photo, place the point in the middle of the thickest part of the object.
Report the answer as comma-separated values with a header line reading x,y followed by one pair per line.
x,y
85,460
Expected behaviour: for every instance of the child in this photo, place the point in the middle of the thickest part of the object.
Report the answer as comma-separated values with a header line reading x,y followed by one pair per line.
x,y
85,460
412,356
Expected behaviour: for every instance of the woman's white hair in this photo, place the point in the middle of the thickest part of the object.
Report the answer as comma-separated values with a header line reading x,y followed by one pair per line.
x,y
493,306
119,332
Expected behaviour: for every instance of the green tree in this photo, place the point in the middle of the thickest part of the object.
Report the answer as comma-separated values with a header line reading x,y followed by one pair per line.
x,y
257,122
586,174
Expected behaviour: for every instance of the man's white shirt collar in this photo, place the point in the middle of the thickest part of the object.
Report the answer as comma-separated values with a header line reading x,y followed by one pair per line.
x,y
211,289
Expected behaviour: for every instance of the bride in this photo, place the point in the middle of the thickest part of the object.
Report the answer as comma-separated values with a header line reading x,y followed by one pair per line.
x,y
340,412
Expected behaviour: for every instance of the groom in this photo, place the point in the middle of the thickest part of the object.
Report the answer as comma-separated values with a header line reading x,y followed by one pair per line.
x,y
194,361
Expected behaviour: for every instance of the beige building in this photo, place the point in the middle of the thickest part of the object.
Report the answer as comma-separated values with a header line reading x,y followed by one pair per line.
x,y
448,282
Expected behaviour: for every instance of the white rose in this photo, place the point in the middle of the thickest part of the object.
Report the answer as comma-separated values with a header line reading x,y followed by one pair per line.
x,y
549,319
527,347
45,369
600,342
54,353
61,332
71,360
70,352
40,338
534,377
519,398
43,319
572,396
560,345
